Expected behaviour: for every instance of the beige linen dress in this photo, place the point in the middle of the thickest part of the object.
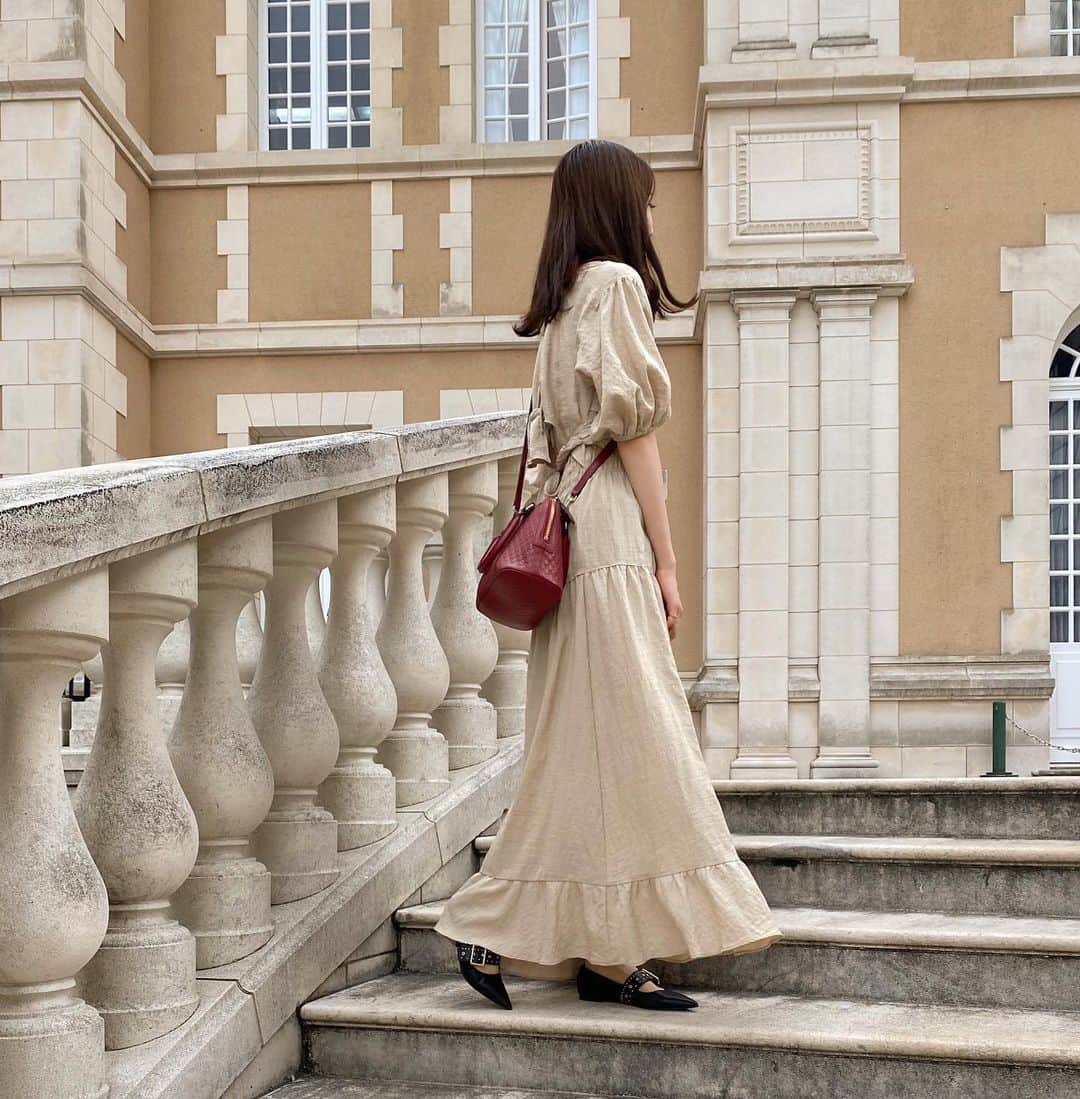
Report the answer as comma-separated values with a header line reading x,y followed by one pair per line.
x,y
615,849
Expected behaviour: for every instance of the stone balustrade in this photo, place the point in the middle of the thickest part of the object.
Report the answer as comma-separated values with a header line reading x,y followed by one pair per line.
x,y
232,758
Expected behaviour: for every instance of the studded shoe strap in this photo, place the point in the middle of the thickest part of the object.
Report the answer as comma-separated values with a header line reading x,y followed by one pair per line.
x,y
475,954
634,982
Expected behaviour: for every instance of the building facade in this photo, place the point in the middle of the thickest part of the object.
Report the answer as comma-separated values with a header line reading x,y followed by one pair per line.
x,y
229,221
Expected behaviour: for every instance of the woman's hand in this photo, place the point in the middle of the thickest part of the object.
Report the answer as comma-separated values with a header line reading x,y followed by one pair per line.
x,y
669,589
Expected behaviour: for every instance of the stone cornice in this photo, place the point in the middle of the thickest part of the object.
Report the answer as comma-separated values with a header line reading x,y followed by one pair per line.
x,y
1004,78
961,677
888,276
755,84
288,337
781,83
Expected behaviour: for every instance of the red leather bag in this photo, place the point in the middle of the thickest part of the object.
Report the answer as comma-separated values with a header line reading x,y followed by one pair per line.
x,y
523,571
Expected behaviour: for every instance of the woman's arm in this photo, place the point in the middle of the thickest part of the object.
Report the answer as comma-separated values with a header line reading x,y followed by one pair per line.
x,y
641,460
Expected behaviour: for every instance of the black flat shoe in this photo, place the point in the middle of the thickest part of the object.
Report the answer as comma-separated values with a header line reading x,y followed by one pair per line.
x,y
597,988
470,955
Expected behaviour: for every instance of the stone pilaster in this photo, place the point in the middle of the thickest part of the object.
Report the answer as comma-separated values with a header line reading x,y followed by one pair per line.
x,y
844,534
232,242
764,551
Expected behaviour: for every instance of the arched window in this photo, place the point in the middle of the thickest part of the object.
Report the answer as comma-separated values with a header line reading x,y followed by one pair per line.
x,y
315,85
1066,360
1065,491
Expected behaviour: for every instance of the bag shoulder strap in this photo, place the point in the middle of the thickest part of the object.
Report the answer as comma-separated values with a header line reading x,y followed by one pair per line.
x,y
594,465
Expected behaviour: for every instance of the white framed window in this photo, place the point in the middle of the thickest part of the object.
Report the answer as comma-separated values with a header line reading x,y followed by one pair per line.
x,y
1064,463
536,69
315,74
1065,28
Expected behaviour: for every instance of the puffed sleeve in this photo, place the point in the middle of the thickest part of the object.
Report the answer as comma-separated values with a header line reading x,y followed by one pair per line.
x,y
617,352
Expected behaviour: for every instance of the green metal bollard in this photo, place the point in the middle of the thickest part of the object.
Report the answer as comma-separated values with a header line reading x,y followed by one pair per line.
x,y
999,745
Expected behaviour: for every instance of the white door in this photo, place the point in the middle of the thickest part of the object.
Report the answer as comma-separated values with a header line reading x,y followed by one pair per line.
x,y
1065,571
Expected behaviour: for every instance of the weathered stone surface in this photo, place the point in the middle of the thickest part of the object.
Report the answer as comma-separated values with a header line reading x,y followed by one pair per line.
x,y
435,1028
53,521
444,444
977,807
74,519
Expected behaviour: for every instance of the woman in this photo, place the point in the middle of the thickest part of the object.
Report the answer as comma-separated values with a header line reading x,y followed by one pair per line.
x,y
615,849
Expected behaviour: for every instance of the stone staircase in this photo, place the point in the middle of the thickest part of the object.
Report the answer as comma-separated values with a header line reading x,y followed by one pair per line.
x,y
932,946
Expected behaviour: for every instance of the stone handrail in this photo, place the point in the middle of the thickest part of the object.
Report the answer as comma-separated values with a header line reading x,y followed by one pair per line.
x,y
230,766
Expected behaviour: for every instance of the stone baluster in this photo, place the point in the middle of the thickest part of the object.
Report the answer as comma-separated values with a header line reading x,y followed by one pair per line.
x,y
505,687
316,620
248,642
377,586
466,720
53,905
170,670
133,813
358,791
218,758
298,839
413,750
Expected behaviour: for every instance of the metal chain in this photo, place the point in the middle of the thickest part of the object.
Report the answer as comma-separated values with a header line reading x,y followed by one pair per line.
x,y
1039,739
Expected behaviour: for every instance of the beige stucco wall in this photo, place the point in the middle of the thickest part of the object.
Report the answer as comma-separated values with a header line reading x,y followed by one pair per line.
x,y
667,45
939,30
133,430
133,240
508,224
186,270
310,251
952,405
133,64
186,94
421,85
421,265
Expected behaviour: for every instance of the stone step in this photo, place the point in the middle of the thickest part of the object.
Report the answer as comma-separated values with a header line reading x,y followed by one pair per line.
x,y
1014,808
1010,877
328,1087
903,957
434,1028
917,873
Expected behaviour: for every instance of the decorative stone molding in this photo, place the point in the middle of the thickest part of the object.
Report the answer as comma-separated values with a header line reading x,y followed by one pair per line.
x,y
387,237
258,417
387,50
232,242
455,234
237,60
1044,282
1031,31
777,162
613,43
456,51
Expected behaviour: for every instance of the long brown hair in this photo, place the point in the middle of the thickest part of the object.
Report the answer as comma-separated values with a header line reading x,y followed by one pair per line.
x,y
599,194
